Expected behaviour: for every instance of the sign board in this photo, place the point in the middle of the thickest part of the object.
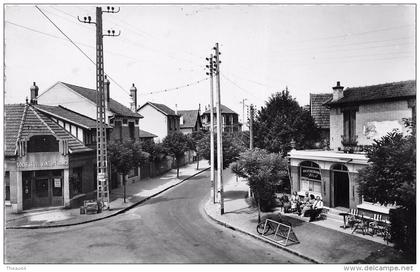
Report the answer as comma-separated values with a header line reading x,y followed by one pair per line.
x,y
42,160
57,182
311,173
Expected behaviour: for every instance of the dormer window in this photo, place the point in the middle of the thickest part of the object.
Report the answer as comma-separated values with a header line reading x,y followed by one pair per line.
x,y
125,121
43,143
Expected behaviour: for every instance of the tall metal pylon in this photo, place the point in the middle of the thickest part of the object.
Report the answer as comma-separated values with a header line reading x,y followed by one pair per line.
x,y
101,138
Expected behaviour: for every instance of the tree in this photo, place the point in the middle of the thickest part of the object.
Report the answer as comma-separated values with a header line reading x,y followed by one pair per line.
x,y
232,146
280,121
391,178
195,138
125,156
264,171
175,145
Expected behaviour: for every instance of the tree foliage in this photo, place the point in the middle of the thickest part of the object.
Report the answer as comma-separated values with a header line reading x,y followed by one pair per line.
x,y
232,146
125,156
155,150
391,178
280,121
175,145
264,171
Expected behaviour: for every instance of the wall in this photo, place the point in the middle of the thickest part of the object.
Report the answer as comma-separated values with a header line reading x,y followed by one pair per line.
x,y
59,94
154,122
372,121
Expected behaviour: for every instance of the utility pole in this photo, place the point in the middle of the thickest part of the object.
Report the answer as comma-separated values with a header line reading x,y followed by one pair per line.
x,y
219,132
243,112
213,183
251,122
101,143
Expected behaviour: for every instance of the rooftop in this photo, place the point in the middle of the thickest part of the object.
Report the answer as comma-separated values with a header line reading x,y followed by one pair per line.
x,y
160,107
24,120
319,111
116,107
223,109
190,118
66,114
146,134
380,92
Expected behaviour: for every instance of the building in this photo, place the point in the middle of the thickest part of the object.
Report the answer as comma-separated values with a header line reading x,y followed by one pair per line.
x,y
321,114
159,119
124,122
230,119
190,121
46,165
357,117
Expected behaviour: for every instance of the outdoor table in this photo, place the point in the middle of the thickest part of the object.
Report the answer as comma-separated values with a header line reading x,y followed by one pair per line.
x,y
344,215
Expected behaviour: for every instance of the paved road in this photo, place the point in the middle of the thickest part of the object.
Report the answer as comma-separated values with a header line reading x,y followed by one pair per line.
x,y
170,228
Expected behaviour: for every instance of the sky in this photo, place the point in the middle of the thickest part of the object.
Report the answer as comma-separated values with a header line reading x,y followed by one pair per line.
x,y
264,48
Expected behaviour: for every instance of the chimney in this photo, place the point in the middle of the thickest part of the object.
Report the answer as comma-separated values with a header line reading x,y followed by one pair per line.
x,y
34,94
338,91
106,87
133,95
176,109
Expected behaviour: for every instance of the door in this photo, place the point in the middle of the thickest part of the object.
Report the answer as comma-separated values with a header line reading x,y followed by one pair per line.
x,y
341,189
27,191
42,192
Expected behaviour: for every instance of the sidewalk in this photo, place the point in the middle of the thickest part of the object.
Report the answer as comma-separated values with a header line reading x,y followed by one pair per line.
x,y
318,244
137,193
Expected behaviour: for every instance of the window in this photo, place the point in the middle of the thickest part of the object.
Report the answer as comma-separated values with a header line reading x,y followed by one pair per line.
x,y
76,181
310,177
349,126
43,143
7,185
118,129
131,130
125,121
41,187
137,121
57,186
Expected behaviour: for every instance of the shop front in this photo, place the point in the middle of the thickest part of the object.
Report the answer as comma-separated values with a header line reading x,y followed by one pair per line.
x,y
44,180
330,175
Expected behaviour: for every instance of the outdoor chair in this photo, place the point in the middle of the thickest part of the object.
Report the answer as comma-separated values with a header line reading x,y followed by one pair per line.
x,y
375,224
353,218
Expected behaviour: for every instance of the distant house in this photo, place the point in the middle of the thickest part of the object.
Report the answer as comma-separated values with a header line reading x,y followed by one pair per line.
x,y
146,136
358,116
124,122
230,119
47,158
159,119
190,121
321,113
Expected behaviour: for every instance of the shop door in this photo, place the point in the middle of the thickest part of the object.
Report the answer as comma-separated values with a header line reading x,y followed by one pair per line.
x,y
341,189
42,196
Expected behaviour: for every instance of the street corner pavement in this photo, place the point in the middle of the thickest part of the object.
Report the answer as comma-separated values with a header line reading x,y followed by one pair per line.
x,y
316,243
137,193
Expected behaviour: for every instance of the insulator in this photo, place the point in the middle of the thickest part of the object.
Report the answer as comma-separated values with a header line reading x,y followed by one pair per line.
x,y
113,31
89,18
108,7
207,73
207,59
109,31
112,8
84,18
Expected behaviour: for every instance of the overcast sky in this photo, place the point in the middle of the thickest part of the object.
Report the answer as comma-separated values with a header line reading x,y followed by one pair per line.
x,y
264,49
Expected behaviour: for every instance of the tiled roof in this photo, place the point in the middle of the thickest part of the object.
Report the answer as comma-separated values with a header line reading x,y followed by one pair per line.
x,y
160,107
71,116
23,121
146,134
114,106
190,118
387,91
223,109
319,111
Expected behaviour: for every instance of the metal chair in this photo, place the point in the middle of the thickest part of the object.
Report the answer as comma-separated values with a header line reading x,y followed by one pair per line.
x,y
353,219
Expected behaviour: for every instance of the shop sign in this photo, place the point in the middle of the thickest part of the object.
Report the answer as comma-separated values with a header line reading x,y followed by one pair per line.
x,y
36,161
311,173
